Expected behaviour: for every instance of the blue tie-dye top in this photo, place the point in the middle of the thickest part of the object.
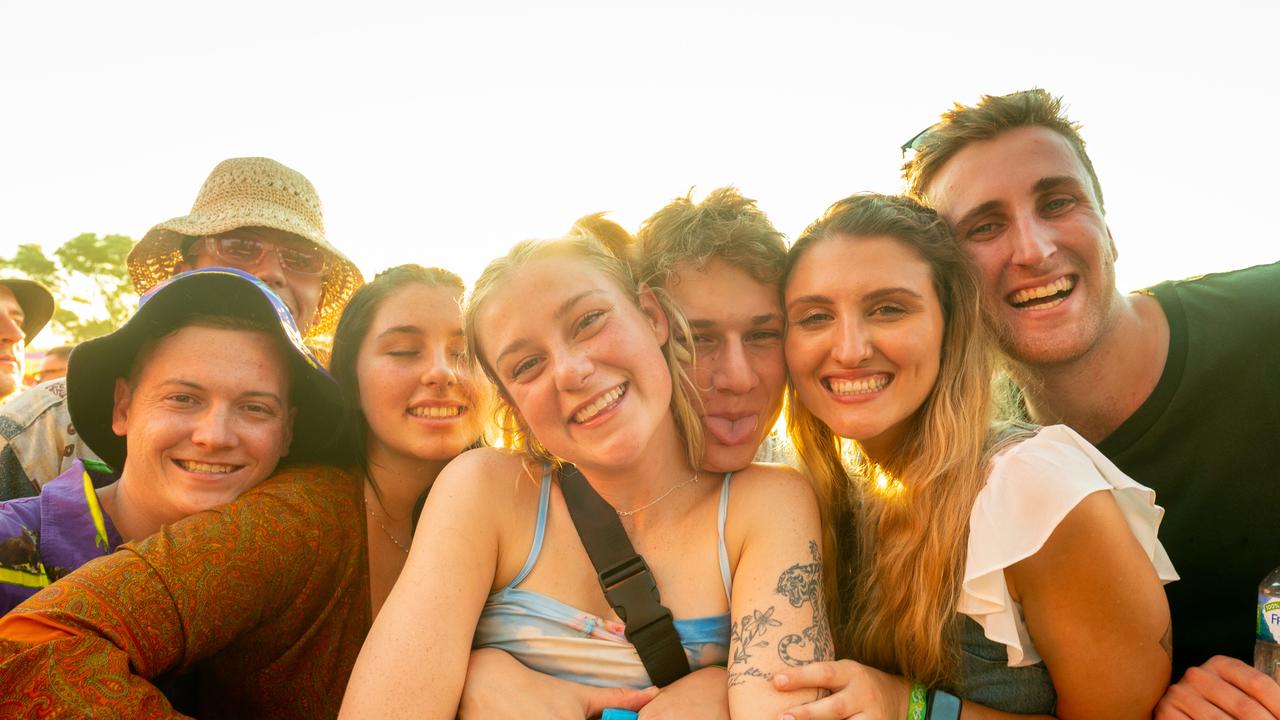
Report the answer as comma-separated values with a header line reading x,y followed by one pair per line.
x,y
560,640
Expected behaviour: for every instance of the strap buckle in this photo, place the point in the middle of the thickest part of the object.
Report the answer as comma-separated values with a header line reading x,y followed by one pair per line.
x,y
632,591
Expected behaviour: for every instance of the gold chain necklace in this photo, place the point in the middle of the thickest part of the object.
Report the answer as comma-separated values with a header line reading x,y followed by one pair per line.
x,y
385,531
660,498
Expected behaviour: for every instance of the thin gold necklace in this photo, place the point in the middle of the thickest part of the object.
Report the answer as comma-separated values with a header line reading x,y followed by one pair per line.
x,y
660,498
385,531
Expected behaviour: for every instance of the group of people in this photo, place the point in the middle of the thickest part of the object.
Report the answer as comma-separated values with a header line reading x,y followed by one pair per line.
x,y
277,491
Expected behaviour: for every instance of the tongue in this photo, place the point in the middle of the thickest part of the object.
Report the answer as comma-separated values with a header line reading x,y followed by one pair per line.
x,y
730,432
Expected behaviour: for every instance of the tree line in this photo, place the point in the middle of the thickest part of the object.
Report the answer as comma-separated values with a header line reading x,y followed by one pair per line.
x,y
88,277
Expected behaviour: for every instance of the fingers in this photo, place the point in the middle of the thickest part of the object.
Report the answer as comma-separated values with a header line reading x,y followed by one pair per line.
x,y
829,675
595,700
1221,688
832,707
1259,688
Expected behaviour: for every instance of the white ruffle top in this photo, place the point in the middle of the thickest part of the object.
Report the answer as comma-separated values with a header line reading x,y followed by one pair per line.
x,y
1031,487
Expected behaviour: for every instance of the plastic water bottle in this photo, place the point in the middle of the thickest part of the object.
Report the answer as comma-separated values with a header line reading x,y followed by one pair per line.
x,y
1266,651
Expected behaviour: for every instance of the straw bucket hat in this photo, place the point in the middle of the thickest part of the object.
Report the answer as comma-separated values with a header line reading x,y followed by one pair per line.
x,y
251,192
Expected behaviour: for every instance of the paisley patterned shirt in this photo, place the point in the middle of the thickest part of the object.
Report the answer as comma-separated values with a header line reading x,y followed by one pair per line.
x,y
265,599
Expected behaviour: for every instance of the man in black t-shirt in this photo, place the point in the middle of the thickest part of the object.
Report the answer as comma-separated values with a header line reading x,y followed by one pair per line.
x,y
1176,385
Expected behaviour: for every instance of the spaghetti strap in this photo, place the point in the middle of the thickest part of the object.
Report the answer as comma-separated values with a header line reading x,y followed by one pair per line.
x,y
544,501
724,553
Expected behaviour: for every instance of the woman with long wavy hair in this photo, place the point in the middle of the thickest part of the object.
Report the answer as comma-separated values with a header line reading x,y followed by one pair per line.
x,y
1000,568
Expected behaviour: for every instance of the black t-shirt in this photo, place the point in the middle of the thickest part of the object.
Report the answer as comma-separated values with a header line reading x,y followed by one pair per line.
x,y
1207,441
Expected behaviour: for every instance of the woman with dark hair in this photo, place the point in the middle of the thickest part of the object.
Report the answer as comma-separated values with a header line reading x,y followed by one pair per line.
x,y
267,599
1008,570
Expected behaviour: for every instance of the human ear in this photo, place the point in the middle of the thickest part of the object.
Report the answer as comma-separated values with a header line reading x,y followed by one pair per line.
x,y
288,432
653,311
120,407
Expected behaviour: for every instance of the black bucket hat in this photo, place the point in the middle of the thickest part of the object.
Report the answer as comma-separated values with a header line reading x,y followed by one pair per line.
x,y
95,364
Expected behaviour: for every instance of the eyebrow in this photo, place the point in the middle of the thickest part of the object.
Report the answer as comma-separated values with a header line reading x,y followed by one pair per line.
x,y
1057,181
198,386
756,320
873,295
402,330
559,313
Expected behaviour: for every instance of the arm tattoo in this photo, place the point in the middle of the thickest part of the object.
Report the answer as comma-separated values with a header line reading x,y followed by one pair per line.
x,y
802,584
799,584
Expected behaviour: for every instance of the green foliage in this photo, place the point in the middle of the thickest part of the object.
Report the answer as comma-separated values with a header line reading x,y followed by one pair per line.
x,y
89,278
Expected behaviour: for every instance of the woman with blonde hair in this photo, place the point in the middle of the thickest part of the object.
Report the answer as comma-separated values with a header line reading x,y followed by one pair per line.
x,y
589,374
1000,569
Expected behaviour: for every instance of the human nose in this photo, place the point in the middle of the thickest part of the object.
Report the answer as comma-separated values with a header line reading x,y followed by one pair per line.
x,y
1033,242
214,428
572,370
731,371
852,344
441,369
268,269
10,329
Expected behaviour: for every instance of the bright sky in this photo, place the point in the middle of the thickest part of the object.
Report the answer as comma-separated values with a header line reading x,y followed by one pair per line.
x,y
441,134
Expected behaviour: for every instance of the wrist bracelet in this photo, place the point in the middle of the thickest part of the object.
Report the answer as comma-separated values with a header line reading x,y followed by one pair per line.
x,y
917,705
942,705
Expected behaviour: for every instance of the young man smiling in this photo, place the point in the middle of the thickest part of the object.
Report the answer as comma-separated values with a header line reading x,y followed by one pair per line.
x,y
1175,384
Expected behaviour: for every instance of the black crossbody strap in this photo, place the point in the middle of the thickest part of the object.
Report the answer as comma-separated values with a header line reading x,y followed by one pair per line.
x,y
626,580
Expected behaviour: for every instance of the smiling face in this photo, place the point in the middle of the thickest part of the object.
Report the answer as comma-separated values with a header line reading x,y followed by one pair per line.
x,y
417,391
206,418
864,340
739,371
1023,208
582,365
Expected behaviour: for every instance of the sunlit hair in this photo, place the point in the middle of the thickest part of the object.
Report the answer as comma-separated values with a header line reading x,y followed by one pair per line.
x,y
609,253
910,515
353,327
725,225
992,115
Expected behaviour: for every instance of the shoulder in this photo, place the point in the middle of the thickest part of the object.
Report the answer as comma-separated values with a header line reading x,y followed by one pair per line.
x,y
1257,284
766,482
484,469
319,496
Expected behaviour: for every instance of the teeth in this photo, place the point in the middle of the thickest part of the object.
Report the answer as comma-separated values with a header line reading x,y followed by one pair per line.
x,y
601,403
1053,288
858,387
192,466
436,412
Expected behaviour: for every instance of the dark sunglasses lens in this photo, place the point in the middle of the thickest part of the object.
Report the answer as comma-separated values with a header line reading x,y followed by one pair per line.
x,y
239,249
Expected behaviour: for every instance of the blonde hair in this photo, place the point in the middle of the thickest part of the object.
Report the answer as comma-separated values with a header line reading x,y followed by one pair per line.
x,y
901,569
992,115
609,253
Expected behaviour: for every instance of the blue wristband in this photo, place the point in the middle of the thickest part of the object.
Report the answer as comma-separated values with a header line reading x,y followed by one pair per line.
x,y
617,714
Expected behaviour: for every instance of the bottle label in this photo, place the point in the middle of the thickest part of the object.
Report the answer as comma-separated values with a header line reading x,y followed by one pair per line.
x,y
1268,619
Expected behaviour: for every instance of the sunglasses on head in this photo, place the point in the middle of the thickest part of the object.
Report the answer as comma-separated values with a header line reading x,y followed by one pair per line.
x,y
244,251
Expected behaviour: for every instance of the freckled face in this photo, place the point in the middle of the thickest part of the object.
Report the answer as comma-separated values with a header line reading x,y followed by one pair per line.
x,y
1023,207
208,418
581,363
864,337
738,371
417,391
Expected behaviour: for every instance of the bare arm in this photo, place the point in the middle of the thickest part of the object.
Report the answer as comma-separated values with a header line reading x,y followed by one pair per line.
x,y
778,613
1093,606
414,662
